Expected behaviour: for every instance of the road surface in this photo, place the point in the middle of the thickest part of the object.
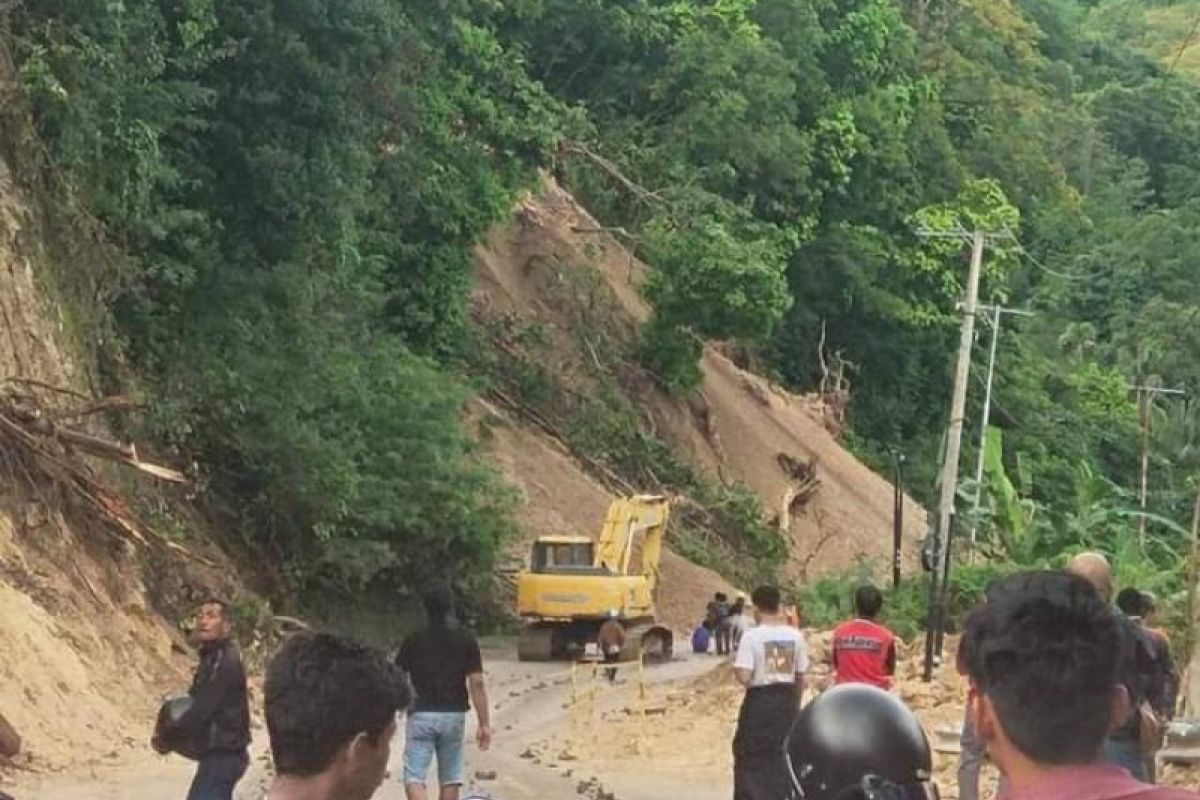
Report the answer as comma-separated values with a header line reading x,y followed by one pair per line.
x,y
529,706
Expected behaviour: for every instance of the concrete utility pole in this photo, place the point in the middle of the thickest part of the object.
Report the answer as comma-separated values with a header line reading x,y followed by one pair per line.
x,y
958,402
1146,395
958,405
998,312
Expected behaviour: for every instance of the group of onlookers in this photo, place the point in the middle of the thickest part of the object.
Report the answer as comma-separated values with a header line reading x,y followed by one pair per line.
x,y
1067,696
331,707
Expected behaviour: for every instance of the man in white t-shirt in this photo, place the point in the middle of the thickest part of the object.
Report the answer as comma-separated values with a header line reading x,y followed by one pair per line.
x,y
771,661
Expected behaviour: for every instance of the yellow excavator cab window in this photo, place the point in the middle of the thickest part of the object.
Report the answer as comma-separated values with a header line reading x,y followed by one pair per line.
x,y
563,556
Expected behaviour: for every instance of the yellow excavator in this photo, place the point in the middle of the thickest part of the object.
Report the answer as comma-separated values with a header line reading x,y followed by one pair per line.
x,y
574,583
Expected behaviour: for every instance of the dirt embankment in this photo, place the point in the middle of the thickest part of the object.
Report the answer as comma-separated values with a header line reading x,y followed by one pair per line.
x,y
687,728
85,655
556,271
558,496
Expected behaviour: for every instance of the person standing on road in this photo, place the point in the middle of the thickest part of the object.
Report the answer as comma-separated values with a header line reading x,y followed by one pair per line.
x,y
718,621
611,641
863,650
770,663
739,620
446,669
1043,656
331,708
1138,672
217,726
1159,707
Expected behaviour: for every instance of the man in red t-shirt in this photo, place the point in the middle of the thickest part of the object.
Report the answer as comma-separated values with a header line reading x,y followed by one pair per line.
x,y
863,650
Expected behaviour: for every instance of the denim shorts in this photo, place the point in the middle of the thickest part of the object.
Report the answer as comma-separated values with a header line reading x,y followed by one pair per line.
x,y
430,733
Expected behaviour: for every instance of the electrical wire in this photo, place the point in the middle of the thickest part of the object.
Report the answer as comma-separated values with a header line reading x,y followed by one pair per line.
x,y
1064,275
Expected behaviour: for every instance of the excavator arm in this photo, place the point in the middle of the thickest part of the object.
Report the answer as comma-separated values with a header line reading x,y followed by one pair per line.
x,y
640,514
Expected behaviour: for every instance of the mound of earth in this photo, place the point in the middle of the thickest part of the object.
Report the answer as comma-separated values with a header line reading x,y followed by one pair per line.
x,y
558,497
557,271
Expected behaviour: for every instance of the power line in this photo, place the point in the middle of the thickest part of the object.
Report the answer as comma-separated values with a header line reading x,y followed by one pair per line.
x,y
1065,276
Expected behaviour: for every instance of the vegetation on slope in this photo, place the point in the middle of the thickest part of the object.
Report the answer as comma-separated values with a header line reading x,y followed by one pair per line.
x,y
289,193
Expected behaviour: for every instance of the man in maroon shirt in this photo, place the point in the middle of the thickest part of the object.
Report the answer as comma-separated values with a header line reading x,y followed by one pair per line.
x,y
1042,658
863,650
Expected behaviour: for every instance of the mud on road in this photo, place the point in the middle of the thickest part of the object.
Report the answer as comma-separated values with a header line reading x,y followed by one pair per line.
x,y
531,708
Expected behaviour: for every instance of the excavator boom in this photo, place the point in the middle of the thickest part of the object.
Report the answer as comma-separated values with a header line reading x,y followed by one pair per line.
x,y
644,514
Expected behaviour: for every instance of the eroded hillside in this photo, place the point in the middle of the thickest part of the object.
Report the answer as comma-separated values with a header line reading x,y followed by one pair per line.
x,y
557,298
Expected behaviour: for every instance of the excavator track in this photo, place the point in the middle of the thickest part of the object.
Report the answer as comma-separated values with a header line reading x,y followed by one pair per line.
x,y
653,643
536,643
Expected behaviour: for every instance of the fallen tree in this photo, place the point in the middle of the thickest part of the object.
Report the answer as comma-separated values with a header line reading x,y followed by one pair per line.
x,y
43,447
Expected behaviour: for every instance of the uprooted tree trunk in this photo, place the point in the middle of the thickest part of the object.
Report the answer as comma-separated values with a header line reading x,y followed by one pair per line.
x,y
835,387
41,450
803,484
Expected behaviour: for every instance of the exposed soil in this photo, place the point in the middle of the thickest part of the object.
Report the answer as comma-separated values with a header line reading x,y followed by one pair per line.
x,y
558,497
84,655
555,268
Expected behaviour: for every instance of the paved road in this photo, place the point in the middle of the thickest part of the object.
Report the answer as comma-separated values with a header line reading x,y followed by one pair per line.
x,y
529,702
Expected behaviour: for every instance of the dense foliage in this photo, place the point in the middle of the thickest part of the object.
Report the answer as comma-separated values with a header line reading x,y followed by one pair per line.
x,y
293,190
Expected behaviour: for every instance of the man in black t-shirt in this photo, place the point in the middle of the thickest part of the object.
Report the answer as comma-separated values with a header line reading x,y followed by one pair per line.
x,y
446,669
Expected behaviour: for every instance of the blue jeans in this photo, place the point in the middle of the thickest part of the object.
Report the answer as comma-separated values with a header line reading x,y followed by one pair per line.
x,y
431,733
217,774
1126,753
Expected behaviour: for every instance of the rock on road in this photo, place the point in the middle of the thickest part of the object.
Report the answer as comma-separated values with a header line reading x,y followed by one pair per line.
x,y
528,706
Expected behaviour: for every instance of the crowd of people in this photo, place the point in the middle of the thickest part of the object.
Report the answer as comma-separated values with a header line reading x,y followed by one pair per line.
x,y
332,707
1066,695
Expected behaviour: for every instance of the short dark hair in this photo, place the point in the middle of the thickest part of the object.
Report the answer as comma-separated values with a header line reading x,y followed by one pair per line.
x,y
867,601
438,603
1151,602
1132,601
1045,650
323,690
721,596
766,598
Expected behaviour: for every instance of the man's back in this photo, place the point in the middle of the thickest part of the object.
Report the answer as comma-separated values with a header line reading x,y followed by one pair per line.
x,y
438,661
864,652
774,653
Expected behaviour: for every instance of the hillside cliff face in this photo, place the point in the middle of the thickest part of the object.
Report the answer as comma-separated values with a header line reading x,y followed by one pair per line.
x,y
564,292
87,652
85,656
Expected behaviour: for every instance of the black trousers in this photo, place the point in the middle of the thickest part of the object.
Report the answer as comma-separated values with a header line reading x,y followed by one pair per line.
x,y
766,717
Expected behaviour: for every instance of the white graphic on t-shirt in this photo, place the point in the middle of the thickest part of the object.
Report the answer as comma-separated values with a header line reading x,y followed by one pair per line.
x,y
779,659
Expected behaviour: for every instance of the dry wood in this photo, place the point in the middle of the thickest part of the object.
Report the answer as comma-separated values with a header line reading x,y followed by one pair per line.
x,y
45,453
636,189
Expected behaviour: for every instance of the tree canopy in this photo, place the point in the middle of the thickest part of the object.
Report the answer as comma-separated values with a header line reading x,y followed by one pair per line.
x,y
291,193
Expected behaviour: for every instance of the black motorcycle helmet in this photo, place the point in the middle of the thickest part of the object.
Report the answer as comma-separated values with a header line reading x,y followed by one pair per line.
x,y
166,729
857,742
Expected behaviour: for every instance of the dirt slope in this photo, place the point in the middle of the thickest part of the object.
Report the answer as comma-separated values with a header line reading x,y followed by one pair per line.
x,y
556,268
558,497
83,653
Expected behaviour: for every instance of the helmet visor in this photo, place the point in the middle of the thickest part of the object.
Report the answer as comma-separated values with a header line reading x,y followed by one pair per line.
x,y
871,787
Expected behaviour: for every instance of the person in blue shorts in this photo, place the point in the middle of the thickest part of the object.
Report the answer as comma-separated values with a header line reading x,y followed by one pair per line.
x,y
446,670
